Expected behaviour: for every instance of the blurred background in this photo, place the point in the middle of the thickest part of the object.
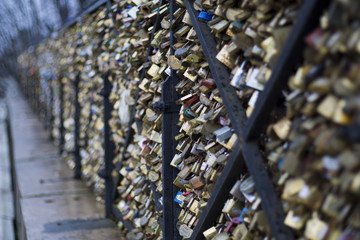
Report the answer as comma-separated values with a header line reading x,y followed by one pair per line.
x,y
25,23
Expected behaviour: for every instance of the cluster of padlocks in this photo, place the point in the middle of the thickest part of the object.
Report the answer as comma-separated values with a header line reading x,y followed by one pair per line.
x,y
217,60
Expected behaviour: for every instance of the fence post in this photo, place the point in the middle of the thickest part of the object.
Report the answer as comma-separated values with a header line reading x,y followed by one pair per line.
x,y
51,105
108,146
77,158
61,126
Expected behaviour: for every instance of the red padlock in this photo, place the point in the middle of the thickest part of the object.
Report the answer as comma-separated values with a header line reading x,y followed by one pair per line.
x,y
191,101
209,83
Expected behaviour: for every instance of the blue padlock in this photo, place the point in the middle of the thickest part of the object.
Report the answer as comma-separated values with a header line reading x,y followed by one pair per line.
x,y
207,16
241,217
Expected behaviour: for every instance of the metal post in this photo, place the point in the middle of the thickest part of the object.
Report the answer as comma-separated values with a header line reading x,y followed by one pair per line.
x,y
108,146
77,158
46,107
27,85
38,95
33,93
61,126
86,138
51,105
169,130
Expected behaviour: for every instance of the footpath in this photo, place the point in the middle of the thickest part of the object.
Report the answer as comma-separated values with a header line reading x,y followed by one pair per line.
x,y
49,203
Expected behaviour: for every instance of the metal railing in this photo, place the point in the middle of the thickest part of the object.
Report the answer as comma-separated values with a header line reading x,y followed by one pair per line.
x,y
246,153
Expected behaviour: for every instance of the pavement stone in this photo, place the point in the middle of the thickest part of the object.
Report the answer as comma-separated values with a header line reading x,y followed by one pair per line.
x,y
5,179
7,229
67,217
7,206
46,177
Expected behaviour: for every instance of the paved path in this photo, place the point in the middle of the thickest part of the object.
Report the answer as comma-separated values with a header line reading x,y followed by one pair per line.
x,y
7,214
50,204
